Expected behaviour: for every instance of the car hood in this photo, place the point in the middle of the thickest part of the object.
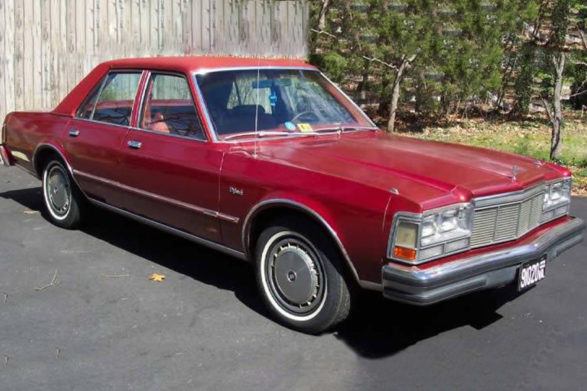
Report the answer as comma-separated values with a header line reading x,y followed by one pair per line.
x,y
427,172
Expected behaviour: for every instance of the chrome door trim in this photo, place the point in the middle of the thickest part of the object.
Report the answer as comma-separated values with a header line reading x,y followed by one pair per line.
x,y
296,205
142,102
171,230
174,202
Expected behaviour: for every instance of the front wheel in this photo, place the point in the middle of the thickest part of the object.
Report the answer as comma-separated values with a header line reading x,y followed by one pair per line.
x,y
63,200
300,277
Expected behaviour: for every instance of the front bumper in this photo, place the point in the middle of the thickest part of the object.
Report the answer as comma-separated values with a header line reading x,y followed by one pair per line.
x,y
413,285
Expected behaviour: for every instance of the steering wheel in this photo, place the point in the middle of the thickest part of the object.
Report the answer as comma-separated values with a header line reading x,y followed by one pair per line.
x,y
300,115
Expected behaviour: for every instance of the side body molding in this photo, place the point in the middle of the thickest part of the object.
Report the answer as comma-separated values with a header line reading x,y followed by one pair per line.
x,y
277,202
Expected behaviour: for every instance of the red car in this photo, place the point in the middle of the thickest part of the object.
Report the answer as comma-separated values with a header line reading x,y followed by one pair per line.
x,y
269,161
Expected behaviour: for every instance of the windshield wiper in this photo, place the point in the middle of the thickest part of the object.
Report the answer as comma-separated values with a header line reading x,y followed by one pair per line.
x,y
261,133
344,128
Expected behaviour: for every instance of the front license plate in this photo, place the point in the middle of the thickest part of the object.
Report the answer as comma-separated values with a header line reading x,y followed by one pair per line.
x,y
531,273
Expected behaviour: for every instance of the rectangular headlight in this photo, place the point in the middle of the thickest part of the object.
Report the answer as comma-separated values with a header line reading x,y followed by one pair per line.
x,y
416,238
557,198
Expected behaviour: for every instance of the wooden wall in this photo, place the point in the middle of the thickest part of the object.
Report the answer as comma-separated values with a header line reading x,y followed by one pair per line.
x,y
47,46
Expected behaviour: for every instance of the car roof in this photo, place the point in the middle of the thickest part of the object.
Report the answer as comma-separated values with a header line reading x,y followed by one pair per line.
x,y
200,63
187,64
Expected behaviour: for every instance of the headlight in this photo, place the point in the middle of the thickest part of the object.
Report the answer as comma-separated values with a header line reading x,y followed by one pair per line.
x,y
556,200
436,233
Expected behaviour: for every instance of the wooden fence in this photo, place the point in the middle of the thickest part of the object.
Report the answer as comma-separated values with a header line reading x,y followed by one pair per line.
x,y
47,46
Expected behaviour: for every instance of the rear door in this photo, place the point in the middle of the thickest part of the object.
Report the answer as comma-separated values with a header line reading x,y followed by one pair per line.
x,y
169,170
94,137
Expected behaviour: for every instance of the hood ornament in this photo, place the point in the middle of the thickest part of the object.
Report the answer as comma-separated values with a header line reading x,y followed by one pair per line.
x,y
515,171
538,162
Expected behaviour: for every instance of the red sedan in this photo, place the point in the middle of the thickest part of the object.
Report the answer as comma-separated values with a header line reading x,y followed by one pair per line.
x,y
269,161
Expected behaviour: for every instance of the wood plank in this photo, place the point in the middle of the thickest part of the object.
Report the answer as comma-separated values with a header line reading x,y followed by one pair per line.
x,y
45,54
37,74
10,58
3,63
19,55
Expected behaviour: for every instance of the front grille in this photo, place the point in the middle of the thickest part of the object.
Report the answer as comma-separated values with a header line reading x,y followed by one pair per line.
x,y
506,221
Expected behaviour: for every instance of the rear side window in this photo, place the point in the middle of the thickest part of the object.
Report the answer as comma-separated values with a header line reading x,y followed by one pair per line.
x,y
112,102
169,107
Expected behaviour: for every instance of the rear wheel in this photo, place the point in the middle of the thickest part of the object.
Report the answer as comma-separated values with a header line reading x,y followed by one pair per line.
x,y
300,277
63,200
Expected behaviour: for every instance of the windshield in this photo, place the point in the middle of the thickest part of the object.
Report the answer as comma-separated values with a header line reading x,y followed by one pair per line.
x,y
281,101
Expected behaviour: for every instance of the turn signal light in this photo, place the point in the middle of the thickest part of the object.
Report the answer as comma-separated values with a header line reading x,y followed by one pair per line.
x,y
409,254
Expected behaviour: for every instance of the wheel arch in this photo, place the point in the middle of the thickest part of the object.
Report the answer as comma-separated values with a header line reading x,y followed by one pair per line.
x,y
43,152
264,210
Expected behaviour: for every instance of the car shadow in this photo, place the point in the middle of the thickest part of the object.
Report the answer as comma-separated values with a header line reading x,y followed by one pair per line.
x,y
376,328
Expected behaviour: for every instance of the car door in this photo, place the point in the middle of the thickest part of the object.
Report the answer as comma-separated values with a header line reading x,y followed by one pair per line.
x,y
169,170
94,137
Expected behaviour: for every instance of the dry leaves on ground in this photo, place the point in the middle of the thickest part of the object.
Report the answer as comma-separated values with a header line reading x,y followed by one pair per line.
x,y
157,277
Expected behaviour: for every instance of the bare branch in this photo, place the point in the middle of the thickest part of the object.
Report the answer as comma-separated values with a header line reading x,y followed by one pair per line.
x,y
52,283
578,94
323,32
373,59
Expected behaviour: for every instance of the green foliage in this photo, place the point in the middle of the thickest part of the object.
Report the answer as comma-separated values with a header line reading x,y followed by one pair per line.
x,y
524,81
458,47
334,64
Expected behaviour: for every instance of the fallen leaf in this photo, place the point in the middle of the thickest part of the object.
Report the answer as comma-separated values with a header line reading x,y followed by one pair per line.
x,y
157,277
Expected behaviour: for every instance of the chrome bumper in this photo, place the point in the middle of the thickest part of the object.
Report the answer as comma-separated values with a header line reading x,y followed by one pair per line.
x,y
412,285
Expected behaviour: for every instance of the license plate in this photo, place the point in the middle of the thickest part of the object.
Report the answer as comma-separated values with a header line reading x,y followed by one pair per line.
x,y
531,273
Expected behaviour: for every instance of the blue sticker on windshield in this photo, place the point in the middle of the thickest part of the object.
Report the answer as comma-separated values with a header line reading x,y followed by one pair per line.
x,y
290,125
272,98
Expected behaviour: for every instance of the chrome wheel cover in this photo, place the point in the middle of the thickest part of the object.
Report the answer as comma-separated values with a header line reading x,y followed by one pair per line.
x,y
57,191
295,275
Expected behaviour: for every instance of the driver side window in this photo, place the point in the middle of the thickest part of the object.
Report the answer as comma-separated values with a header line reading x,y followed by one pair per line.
x,y
169,108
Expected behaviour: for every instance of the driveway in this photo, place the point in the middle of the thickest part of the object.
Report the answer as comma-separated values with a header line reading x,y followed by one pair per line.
x,y
78,312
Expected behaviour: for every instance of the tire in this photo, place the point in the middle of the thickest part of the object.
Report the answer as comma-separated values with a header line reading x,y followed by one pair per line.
x,y
63,200
300,277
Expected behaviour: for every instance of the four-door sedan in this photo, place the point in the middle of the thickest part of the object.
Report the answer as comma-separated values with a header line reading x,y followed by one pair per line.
x,y
269,161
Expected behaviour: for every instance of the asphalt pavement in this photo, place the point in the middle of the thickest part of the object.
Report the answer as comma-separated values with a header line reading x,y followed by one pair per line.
x,y
78,312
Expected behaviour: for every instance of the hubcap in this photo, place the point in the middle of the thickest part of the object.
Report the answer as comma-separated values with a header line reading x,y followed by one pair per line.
x,y
295,275
58,190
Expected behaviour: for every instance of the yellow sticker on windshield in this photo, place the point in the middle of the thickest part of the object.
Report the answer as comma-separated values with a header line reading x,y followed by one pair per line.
x,y
304,127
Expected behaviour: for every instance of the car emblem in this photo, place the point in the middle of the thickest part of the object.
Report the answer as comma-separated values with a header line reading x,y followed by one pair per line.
x,y
515,170
236,191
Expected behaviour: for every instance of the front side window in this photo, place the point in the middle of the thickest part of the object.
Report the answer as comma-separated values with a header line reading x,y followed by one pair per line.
x,y
280,100
112,102
169,107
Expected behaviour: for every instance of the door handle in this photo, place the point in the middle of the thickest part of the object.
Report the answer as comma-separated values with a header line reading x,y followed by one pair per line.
x,y
134,144
73,132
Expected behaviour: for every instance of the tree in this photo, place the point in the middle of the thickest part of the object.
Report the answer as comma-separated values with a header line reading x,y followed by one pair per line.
x,y
555,54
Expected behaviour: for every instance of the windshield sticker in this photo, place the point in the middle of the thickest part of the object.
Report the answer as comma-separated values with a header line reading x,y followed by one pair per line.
x,y
290,125
305,127
272,98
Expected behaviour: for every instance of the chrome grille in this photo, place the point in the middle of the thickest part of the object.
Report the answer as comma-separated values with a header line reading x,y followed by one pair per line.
x,y
501,222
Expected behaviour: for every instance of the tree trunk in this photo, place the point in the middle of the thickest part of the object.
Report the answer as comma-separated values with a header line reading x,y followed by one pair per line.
x,y
395,95
322,15
555,112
